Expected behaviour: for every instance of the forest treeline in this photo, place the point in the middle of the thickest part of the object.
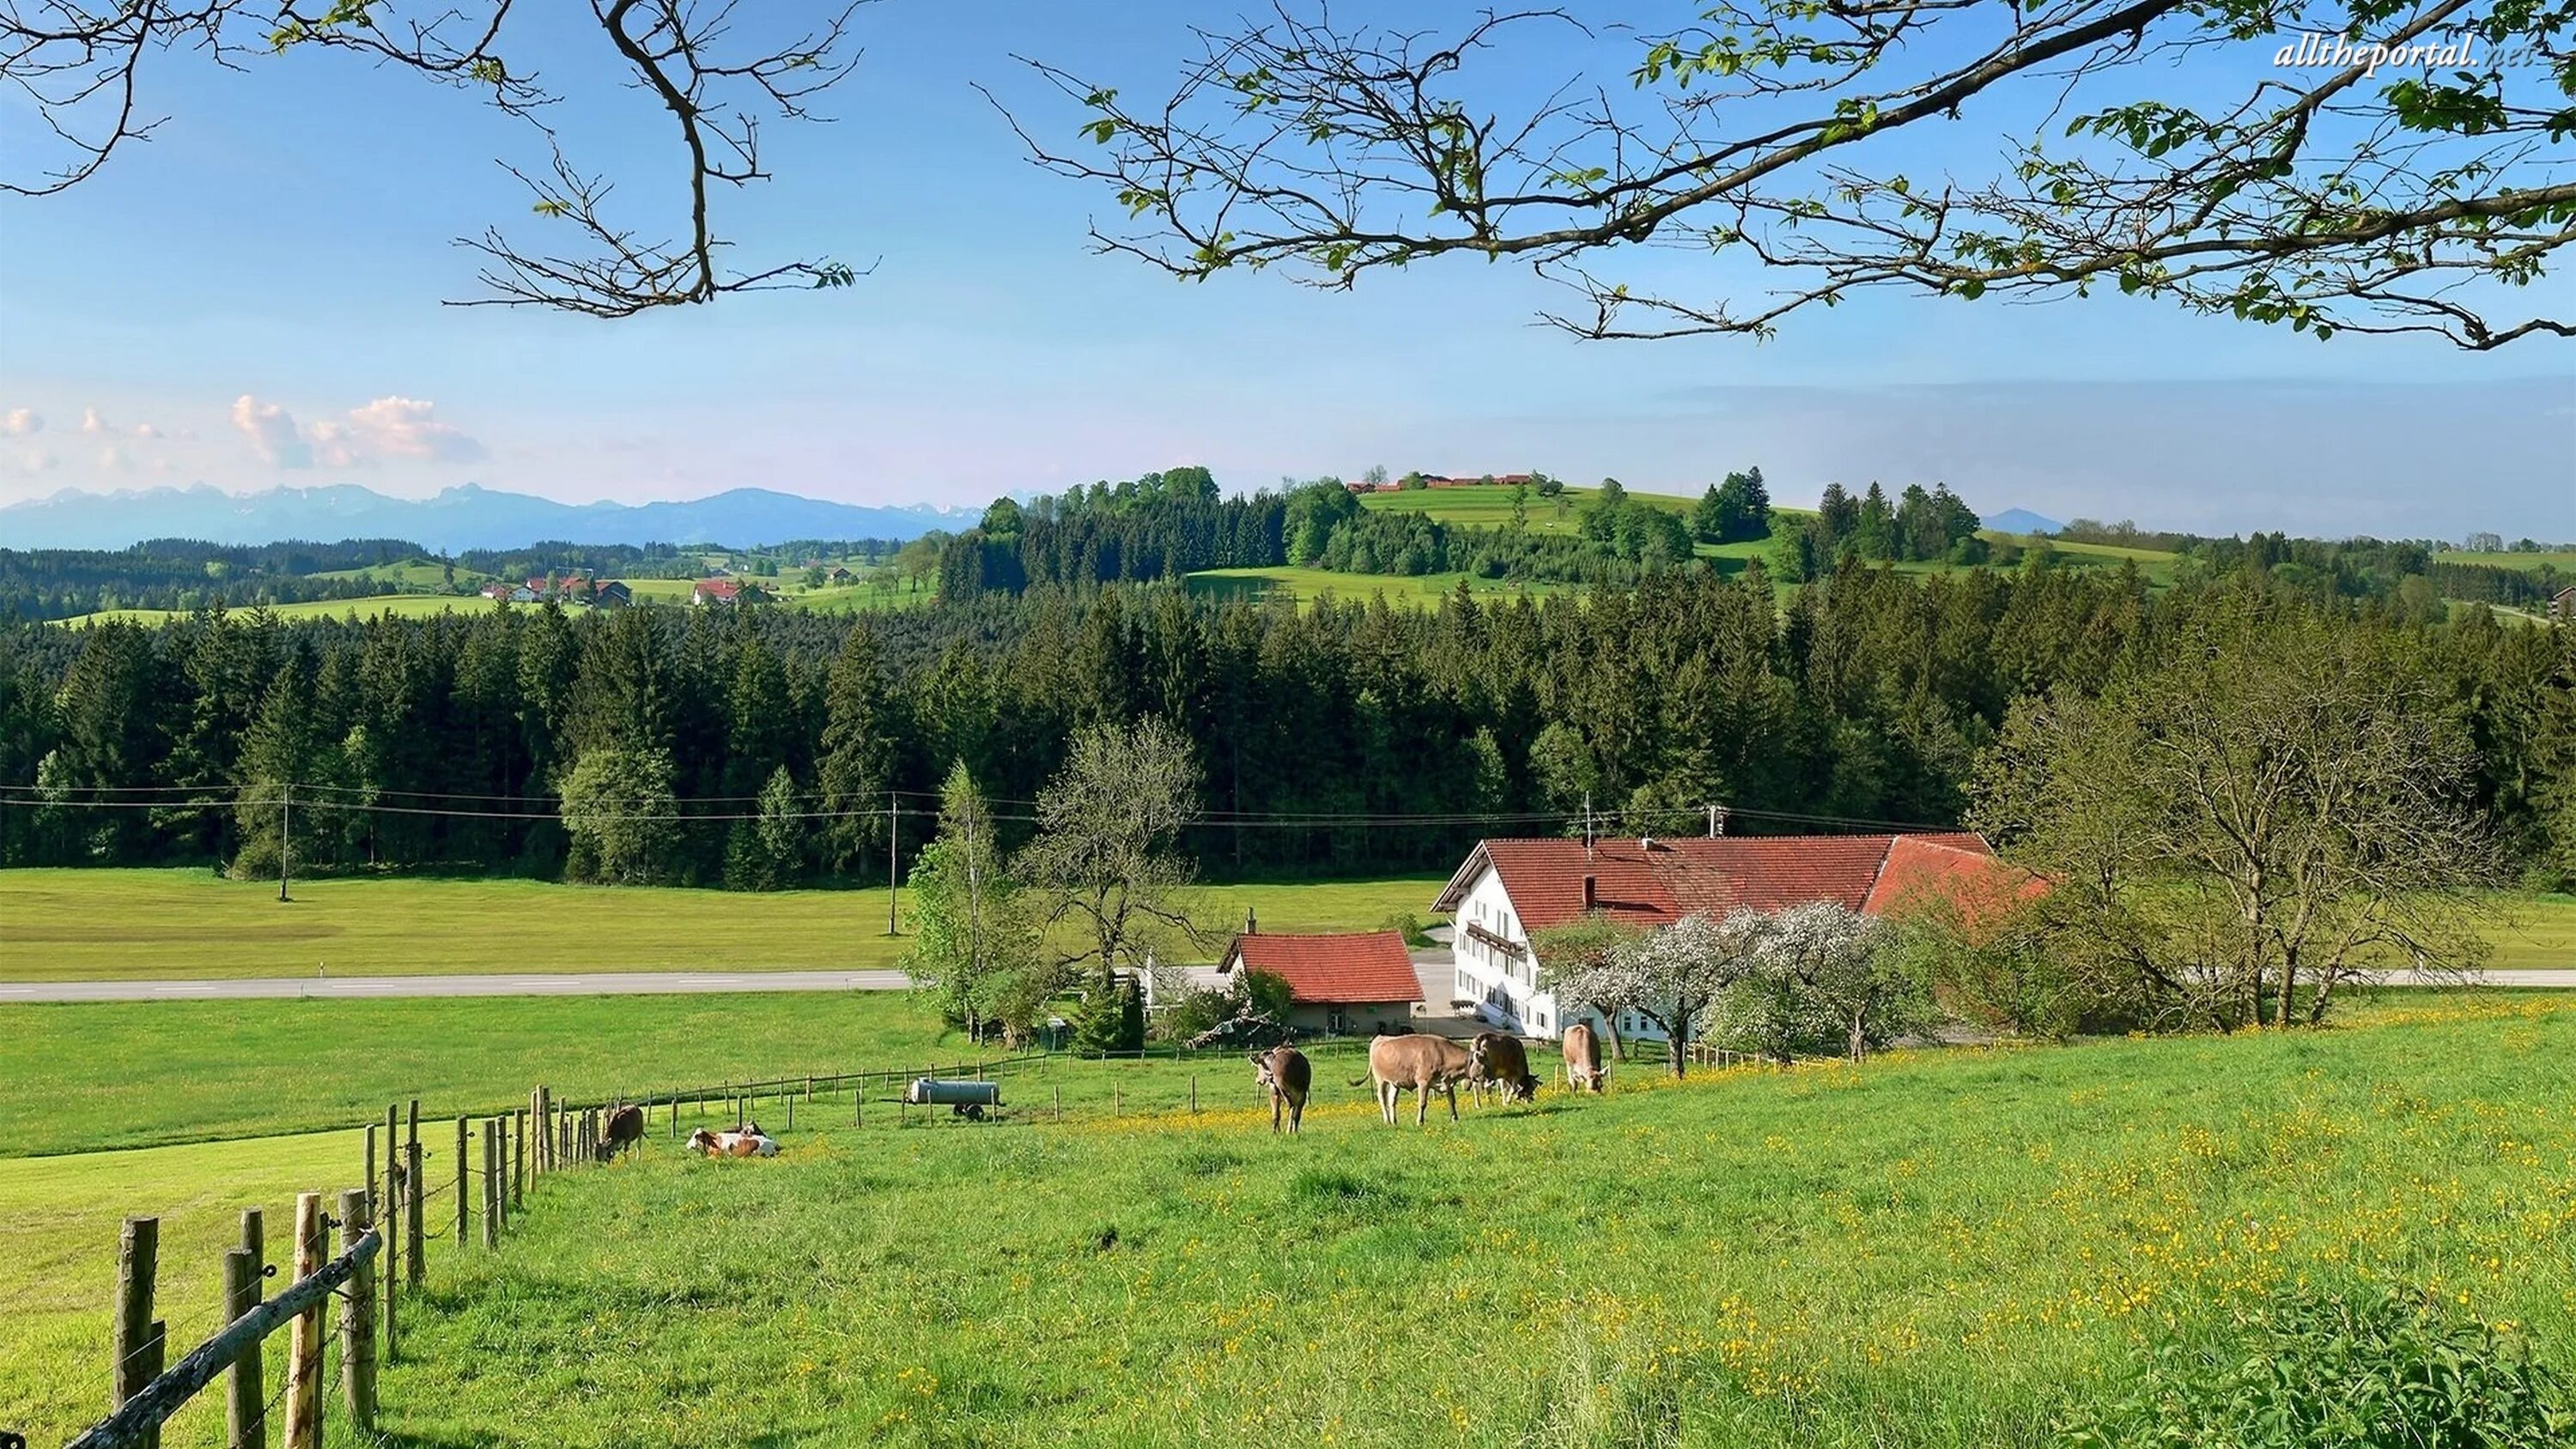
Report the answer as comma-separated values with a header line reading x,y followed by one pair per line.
x,y
2353,567
185,574
1338,738
180,573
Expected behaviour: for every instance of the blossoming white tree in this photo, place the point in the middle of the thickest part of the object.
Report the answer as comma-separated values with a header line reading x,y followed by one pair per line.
x,y
1832,963
1671,976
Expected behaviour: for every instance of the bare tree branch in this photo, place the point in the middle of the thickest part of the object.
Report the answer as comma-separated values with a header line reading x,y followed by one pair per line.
x,y
79,63
2360,194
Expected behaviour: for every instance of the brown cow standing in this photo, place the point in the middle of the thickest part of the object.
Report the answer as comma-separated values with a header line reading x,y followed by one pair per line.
x,y
1583,1071
621,1129
1289,1077
1499,1062
1423,1063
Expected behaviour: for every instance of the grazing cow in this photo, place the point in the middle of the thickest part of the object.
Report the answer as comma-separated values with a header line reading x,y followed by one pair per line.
x,y
1423,1063
1583,1069
1499,1062
744,1142
622,1128
1289,1077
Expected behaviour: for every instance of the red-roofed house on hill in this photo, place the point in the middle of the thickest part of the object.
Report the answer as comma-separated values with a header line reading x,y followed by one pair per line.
x,y
1353,982
1508,889
716,591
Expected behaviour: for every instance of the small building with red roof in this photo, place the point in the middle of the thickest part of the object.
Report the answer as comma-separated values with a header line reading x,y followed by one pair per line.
x,y
1509,889
716,591
1346,983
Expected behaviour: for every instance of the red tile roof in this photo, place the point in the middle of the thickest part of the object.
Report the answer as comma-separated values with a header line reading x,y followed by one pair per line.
x,y
1927,866
1650,883
1355,966
719,588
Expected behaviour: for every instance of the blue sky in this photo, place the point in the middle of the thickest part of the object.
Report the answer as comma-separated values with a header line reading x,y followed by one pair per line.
x,y
285,239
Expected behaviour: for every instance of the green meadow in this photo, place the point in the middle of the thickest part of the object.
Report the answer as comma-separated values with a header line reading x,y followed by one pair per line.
x,y
85,924
1957,1248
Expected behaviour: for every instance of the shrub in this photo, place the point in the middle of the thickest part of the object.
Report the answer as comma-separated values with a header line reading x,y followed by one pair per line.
x,y
2314,1370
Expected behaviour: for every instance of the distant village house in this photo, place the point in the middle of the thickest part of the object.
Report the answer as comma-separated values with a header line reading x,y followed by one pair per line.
x,y
1346,983
1508,890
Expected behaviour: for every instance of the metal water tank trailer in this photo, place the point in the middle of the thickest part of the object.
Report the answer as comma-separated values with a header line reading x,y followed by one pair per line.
x,y
932,1092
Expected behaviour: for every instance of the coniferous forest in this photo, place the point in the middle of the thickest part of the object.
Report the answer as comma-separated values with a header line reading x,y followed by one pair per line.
x,y
770,747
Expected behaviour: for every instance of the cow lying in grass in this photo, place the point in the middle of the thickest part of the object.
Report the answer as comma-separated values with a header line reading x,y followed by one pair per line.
x,y
745,1141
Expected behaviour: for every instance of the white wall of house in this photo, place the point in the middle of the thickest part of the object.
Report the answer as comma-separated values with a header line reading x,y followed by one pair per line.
x,y
1495,968
1503,982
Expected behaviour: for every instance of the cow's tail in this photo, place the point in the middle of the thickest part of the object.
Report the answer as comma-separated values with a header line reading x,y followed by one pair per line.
x,y
1359,1081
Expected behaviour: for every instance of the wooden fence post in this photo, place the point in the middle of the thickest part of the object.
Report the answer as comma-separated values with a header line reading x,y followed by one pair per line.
x,y
791,1111
1194,1093
242,1428
1059,1104
245,1414
519,1160
491,1185
390,1218
138,1256
304,1344
357,1320
464,1183
416,1270
367,1174
497,1167
156,1357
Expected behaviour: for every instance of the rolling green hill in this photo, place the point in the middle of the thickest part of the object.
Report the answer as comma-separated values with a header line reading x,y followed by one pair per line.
x,y
1482,506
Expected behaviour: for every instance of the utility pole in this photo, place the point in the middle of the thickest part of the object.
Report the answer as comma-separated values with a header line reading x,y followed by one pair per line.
x,y
285,809
894,813
1587,822
1712,822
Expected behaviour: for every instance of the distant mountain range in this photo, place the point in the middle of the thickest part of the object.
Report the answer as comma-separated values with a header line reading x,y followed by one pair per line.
x,y
466,517
2022,520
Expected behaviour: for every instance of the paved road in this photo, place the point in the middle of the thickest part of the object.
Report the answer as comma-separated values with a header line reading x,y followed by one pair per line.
x,y
344,988
1433,970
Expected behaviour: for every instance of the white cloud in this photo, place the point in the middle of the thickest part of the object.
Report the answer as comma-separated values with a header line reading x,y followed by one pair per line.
x,y
37,462
22,421
272,433
402,427
112,459
91,422
146,430
388,428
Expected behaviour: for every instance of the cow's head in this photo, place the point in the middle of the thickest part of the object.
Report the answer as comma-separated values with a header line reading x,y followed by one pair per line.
x,y
1261,1073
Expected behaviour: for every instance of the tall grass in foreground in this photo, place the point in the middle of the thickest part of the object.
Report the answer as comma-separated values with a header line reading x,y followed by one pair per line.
x,y
1953,1249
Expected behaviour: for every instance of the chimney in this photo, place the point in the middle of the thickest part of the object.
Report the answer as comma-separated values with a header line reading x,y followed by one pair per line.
x,y
1251,927
1591,892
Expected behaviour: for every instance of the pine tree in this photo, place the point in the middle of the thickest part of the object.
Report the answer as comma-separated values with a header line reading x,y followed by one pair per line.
x,y
857,761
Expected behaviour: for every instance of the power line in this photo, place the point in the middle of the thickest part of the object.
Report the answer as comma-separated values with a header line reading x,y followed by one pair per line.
x,y
551,810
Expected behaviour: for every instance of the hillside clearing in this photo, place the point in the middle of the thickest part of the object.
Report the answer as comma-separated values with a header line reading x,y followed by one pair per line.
x,y
108,924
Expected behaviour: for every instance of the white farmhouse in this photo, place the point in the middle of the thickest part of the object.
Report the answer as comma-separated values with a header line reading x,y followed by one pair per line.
x,y
1508,889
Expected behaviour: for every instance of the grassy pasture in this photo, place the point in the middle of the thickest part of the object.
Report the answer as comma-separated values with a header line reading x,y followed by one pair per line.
x,y
1416,591
82,924
86,1076
399,606
58,1228
419,574
1940,1249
